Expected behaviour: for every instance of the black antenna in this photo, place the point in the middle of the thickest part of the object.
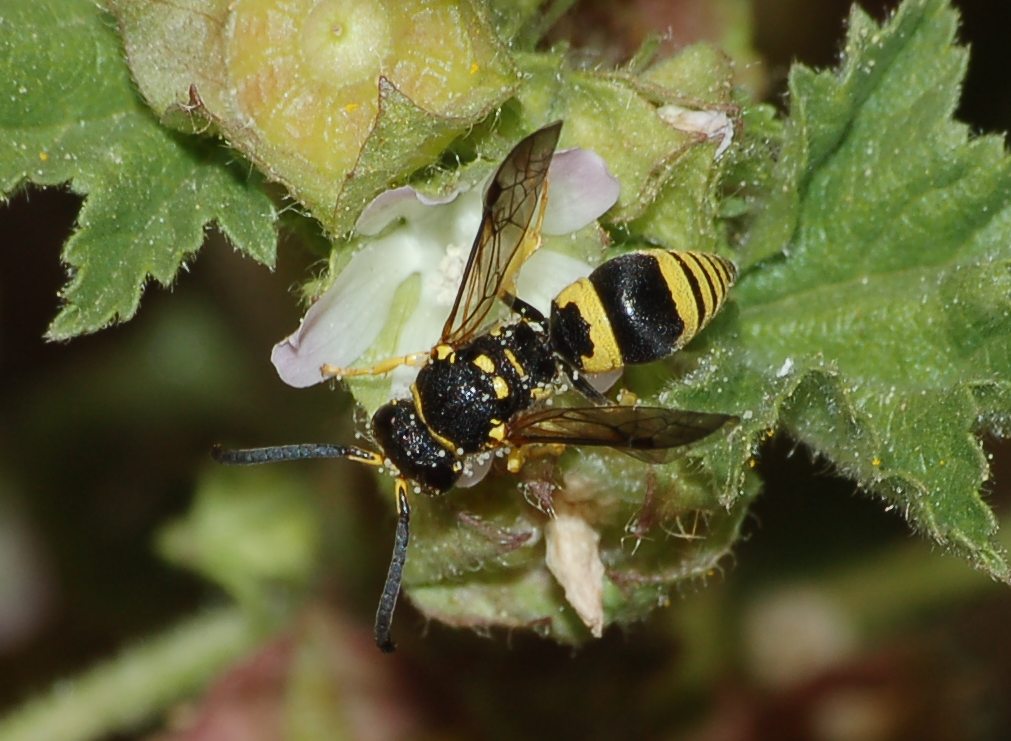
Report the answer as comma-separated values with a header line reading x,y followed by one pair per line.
x,y
277,453
305,451
391,589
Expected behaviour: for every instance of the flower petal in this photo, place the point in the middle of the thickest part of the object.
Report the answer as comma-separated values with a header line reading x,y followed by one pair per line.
x,y
580,189
572,555
348,317
545,274
346,320
399,203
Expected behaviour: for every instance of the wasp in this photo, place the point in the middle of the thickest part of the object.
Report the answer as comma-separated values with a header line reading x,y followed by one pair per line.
x,y
480,388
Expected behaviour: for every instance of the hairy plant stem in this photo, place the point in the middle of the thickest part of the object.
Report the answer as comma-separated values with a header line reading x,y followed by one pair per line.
x,y
133,687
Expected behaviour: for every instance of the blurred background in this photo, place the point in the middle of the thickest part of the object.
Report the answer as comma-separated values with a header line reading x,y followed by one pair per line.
x,y
832,621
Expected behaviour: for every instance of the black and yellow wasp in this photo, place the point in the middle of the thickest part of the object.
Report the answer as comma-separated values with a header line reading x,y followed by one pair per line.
x,y
479,388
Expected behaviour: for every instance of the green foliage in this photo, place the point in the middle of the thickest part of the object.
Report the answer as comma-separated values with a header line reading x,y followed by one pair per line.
x,y
402,129
614,114
873,319
521,22
69,114
477,556
214,536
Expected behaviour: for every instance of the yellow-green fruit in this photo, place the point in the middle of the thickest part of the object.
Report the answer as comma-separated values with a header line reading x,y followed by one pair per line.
x,y
335,99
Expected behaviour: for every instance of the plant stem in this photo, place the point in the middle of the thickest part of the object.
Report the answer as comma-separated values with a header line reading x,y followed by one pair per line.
x,y
142,680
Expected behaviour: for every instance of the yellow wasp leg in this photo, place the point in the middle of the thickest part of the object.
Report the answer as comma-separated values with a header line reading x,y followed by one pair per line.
x,y
516,459
627,398
384,366
519,456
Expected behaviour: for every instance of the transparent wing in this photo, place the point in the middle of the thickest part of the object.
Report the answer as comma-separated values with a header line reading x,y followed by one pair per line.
x,y
510,232
644,432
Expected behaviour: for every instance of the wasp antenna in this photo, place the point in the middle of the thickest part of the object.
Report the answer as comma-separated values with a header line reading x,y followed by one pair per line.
x,y
277,453
391,589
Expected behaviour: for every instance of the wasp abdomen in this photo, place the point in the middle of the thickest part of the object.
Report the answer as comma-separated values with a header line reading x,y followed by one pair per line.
x,y
638,307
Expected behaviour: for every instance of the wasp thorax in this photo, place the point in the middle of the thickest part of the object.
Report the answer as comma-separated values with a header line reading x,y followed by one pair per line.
x,y
413,449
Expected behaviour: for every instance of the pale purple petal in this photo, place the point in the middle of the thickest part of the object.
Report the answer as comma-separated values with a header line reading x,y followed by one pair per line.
x,y
580,189
399,203
346,320
545,274
419,334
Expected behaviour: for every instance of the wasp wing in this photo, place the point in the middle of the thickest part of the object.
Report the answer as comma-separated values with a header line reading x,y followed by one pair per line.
x,y
643,432
510,232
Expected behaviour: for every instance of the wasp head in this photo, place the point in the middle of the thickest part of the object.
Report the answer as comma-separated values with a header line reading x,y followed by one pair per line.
x,y
413,449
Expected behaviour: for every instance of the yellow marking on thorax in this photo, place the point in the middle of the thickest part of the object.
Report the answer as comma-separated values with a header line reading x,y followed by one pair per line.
x,y
606,354
681,293
514,363
498,432
443,352
500,386
443,441
484,363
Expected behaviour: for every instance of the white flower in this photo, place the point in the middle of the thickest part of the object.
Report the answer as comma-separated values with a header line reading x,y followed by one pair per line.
x,y
410,234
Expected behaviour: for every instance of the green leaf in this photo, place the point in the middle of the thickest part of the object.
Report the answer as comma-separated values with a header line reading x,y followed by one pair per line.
x,y
875,321
522,23
615,115
69,114
478,556
403,138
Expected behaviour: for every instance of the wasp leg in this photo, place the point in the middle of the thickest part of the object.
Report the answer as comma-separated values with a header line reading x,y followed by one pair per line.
x,y
583,386
391,589
578,380
384,366
518,457
627,398
521,307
